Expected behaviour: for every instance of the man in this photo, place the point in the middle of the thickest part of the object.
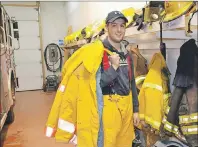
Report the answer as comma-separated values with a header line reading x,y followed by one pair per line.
x,y
116,79
96,104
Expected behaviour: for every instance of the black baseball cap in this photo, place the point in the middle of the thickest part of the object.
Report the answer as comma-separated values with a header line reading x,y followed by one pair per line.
x,y
112,16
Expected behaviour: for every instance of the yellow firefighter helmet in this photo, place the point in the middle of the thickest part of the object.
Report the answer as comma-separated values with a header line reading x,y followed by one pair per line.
x,y
129,14
74,37
152,11
166,11
98,27
87,32
92,29
71,38
68,39
175,9
78,36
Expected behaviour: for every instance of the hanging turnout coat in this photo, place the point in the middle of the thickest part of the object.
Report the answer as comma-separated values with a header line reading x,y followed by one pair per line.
x,y
155,92
63,116
182,112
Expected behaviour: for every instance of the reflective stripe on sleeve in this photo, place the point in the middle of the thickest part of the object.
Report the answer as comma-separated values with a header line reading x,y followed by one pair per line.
x,y
49,132
154,86
74,140
66,126
190,130
185,119
139,79
62,88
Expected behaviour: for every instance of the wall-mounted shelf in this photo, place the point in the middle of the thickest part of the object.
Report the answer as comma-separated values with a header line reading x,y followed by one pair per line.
x,y
76,44
178,26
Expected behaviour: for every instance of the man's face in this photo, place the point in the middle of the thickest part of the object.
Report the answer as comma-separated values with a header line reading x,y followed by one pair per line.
x,y
116,30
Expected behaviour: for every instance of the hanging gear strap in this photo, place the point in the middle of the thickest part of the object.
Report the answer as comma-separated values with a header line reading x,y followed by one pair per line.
x,y
105,60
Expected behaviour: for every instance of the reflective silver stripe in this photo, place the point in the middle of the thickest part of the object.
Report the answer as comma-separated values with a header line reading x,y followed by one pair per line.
x,y
186,129
157,124
164,120
188,118
152,122
74,140
138,79
193,117
175,130
155,86
66,126
168,126
62,88
167,109
49,131
183,120
190,129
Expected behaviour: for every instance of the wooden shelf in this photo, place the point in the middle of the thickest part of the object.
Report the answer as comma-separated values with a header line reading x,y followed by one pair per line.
x,y
76,44
132,32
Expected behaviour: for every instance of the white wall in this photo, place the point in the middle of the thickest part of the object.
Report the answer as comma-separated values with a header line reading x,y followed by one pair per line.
x,y
81,14
77,15
53,23
53,19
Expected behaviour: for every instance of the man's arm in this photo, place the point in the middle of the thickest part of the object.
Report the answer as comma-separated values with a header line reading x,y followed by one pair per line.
x,y
134,90
108,76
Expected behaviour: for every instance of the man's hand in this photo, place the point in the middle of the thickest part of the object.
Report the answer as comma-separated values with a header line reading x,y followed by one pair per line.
x,y
136,119
115,60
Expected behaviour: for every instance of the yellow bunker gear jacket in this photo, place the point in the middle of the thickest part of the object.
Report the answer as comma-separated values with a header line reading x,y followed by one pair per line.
x,y
63,116
75,108
155,93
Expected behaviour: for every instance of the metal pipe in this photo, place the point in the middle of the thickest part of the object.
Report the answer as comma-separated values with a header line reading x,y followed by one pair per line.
x,y
41,43
162,45
160,32
19,5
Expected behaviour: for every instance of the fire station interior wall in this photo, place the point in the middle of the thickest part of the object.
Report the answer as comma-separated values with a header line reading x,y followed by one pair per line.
x,y
81,14
172,53
53,29
53,25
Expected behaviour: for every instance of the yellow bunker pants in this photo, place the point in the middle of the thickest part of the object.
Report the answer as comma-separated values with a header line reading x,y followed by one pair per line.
x,y
118,121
